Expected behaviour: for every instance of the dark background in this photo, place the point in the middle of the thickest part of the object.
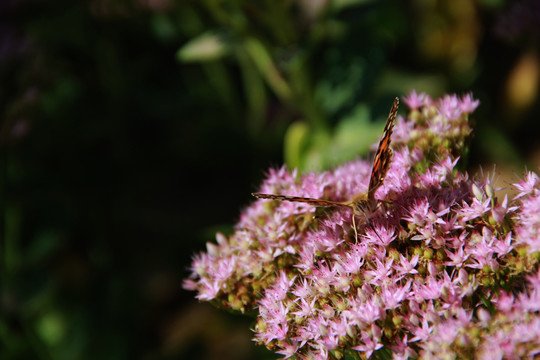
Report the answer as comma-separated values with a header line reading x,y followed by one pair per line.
x,y
131,131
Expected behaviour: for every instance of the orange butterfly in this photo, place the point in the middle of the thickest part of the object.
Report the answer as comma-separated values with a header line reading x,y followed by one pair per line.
x,y
363,203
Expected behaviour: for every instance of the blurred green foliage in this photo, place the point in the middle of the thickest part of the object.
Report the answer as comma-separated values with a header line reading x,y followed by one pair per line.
x,y
132,130
317,59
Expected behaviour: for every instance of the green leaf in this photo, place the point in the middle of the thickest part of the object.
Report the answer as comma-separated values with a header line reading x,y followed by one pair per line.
x,y
354,135
296,139
208,46
316,157
264,62
51,328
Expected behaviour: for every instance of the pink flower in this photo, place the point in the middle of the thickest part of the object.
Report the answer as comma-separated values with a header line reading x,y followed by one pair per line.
x,y
432,264
421,332
415,101
457,256
380,273
288,349
393,295
450,107
468,105
406,265
370,343
528,185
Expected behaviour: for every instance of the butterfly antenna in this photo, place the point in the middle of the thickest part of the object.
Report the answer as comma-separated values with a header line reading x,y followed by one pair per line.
x,y
370,226
366,221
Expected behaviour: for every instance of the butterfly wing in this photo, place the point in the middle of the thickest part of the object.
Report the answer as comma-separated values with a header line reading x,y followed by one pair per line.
x,y
383,157
381,164
311,201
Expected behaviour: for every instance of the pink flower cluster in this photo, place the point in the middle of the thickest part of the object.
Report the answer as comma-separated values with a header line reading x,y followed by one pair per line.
x,y
443,269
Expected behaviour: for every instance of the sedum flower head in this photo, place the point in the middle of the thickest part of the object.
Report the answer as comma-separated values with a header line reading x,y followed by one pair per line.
x,y
443,268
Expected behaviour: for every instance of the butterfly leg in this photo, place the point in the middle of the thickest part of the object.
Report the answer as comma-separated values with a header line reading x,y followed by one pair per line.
x,y
366,222
355,229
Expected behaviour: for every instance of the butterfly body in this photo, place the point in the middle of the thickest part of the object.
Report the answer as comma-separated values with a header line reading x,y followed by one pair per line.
x,y
362,204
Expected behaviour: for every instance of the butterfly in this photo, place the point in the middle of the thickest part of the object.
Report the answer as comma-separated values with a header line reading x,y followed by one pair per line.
x,y
362,203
